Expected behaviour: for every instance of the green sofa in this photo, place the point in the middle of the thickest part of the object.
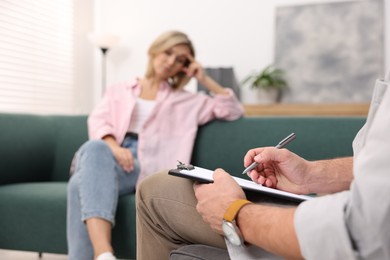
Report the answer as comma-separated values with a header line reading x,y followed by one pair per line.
x,y
36,151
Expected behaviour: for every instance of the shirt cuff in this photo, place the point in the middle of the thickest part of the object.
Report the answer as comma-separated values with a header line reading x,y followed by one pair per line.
x,y
321,228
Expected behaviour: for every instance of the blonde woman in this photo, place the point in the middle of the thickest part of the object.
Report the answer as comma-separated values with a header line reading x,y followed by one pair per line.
x,y
138,128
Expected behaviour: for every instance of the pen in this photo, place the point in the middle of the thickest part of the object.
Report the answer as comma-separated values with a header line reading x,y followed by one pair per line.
x,y
280,145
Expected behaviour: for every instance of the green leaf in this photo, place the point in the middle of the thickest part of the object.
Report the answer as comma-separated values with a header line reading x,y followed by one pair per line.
x,y
269,77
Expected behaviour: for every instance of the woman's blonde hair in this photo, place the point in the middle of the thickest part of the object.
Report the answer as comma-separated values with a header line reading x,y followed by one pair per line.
x,y
164,42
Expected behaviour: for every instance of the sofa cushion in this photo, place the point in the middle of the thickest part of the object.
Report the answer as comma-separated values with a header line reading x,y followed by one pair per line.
x,y
39,148
40,211
71,132
222,144
27,148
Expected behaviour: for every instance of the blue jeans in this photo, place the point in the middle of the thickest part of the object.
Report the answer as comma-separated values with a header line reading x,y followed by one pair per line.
x,y
93,191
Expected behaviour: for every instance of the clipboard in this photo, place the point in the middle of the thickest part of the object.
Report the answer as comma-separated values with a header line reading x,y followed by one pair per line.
x,y
206,176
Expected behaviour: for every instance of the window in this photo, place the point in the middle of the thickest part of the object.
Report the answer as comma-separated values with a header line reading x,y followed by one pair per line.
x,y
36,56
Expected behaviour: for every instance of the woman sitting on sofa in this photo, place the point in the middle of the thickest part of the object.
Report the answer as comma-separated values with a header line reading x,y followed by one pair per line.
x,y
138,128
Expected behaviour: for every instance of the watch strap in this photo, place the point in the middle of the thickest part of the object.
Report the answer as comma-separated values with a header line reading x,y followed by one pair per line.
x,y
234,208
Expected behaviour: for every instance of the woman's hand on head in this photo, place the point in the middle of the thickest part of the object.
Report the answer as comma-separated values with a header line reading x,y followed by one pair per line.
x,y
194,69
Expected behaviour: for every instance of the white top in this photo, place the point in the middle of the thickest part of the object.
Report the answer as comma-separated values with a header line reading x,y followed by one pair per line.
x,y
143,108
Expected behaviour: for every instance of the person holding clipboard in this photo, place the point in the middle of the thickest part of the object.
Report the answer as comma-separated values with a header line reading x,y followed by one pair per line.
x,y
351,222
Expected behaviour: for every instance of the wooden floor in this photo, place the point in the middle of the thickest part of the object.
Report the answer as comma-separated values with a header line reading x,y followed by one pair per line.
x,y
22,255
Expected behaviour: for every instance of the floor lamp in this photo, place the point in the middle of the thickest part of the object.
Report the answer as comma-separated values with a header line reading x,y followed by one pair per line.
x,y
104,42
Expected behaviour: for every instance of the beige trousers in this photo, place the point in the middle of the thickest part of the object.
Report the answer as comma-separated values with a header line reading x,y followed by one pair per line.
x,y
167,218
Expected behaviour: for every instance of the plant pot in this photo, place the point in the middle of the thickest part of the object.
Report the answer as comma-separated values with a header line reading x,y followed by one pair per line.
x,y
267,96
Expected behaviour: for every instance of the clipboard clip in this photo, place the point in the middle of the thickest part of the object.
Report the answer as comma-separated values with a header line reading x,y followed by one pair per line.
x,y
183,166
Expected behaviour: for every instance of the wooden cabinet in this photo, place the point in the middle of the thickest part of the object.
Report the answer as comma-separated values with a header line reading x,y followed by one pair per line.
x,y
284,109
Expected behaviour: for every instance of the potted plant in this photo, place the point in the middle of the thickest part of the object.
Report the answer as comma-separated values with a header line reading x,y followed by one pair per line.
x,y
270,82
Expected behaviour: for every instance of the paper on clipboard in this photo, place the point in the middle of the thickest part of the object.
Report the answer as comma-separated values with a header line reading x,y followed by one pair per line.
x,y
205,175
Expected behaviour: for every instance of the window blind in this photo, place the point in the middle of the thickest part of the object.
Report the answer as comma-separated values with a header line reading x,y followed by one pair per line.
x,y
36,56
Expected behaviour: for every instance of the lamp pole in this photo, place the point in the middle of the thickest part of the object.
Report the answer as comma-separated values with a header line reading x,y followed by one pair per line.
x,y
104,42
104,67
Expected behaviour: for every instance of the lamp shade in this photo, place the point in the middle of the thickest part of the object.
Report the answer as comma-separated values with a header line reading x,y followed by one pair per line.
x,y
103,40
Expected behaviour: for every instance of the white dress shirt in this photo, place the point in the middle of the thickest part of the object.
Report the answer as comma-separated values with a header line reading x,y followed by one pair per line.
x,y
355,224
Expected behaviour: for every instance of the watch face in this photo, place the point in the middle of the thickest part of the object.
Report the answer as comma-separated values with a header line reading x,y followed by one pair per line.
x,y
232,233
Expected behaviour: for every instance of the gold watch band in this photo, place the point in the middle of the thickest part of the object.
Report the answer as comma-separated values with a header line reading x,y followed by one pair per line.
x,y
234,208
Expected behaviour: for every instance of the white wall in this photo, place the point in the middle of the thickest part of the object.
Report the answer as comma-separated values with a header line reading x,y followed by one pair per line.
x,y
232,33
84,70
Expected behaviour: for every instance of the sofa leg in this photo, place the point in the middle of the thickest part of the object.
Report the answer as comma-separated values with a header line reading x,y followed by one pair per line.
x,y
39,255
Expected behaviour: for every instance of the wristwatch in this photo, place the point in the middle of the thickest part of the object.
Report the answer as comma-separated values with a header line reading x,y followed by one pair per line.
x,y
229,227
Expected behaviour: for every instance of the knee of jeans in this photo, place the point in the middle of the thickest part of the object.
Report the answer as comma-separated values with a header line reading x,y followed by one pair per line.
x,y
95,147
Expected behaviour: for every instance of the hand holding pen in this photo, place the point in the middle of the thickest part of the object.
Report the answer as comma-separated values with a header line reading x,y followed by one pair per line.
x,y
280,145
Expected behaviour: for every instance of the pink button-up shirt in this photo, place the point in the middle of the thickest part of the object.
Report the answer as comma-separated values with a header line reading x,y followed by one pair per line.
x,y
169,133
